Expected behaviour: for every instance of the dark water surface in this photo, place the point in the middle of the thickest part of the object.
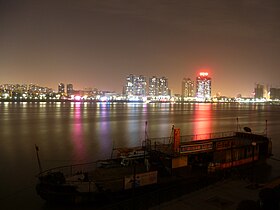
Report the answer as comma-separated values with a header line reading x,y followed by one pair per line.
x,y
69,133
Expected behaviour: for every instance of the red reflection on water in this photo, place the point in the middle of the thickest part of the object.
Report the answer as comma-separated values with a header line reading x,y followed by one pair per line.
x,y
79,147
202,121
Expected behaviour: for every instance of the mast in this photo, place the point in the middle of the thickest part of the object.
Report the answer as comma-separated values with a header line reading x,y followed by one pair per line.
x,y
171,139
38,159
265,127
113,148
146,139
146,134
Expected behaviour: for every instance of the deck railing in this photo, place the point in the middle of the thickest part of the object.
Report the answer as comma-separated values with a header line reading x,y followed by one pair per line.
x,y
207,136
154,142
70,170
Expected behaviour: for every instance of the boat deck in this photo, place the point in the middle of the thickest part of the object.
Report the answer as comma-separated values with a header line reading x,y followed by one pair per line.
x,y
104,178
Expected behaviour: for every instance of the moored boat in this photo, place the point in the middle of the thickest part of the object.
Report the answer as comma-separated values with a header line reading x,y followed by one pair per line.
x,y
158,163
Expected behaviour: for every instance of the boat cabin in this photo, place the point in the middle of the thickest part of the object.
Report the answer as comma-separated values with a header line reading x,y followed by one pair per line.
x,y
219,151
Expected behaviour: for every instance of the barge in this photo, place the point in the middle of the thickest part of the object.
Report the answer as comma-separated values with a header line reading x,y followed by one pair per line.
x,y
158,163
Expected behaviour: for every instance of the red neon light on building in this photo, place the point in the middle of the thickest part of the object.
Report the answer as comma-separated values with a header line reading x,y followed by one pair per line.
x,y
203,74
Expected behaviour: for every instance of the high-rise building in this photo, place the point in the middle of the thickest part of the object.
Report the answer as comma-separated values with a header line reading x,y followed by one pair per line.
x,y
140,86
70,89
153,86
158,86
163,87
203,86
187,87
135,85
259,91
274,93
61,88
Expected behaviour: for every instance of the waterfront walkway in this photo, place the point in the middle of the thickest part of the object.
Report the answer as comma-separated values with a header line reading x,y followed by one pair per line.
x,y
225,194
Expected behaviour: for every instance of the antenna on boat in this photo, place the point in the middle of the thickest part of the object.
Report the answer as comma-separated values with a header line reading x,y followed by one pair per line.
x,y
146,133
146,139
38,159
171,134
113,148
265,127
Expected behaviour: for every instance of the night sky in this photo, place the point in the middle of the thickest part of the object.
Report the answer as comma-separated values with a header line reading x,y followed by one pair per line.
x,y
97,43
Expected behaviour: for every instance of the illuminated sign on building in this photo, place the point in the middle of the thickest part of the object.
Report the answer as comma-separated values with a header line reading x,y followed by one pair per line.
x,y
203,74
190,148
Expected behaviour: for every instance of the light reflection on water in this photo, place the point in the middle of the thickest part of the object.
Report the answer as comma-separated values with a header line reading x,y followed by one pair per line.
x,y
78,137
76,132
92,128
202,119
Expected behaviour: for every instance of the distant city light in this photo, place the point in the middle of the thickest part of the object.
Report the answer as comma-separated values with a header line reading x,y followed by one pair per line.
x,y
103,98
77,98
139,89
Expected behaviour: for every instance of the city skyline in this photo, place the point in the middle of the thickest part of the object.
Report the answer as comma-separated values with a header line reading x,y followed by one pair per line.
x,y
136,88
98,43
63,86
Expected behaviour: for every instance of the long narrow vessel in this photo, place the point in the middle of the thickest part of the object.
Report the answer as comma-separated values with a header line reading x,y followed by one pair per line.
x,y
159,163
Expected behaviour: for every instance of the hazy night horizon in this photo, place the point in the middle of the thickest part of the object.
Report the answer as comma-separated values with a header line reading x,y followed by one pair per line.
x,y
98,43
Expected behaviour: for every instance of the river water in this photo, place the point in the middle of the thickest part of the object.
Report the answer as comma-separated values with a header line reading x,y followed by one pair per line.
x,y
68,133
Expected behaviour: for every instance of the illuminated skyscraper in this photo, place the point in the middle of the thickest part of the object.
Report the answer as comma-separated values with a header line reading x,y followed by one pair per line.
x,y
158,86
261,91
70,89
153,86
203,86
135,85
61,88
274,93
163,87
187,87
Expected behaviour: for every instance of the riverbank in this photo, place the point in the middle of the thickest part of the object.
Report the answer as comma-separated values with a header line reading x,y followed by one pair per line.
x,y
140,102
